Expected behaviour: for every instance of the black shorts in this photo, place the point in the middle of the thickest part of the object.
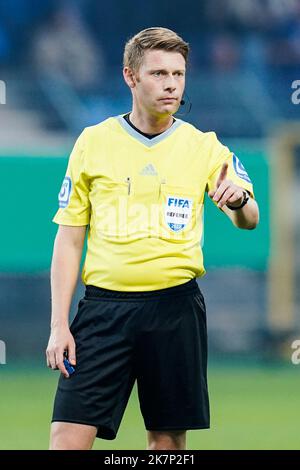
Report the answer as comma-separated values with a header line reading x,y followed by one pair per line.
x,y
158,338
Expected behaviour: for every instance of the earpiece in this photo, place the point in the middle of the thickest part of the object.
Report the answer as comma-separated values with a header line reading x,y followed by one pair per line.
x,y
189,105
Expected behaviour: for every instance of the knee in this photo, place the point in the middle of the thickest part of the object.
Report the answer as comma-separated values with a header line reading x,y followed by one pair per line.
x,y
166,440
58,438
67,436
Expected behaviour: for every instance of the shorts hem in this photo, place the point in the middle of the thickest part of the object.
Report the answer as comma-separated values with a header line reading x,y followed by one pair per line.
x,y
103,432
177,428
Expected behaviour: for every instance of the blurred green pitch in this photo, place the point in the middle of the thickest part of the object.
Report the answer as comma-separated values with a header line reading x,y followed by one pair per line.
x,y
252,407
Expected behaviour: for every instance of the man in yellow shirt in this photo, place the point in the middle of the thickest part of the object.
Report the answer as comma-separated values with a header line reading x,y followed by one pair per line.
x,y
137,182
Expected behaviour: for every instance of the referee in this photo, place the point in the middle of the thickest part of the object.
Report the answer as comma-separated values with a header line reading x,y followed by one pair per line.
x,y
135,184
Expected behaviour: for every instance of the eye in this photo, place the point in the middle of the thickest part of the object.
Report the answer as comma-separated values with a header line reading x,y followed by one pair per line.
x,y
157,74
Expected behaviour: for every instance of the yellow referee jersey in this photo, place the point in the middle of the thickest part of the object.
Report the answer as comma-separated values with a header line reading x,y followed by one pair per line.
x,y
143,201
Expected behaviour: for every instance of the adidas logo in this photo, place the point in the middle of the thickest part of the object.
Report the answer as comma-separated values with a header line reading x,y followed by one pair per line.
x,y
148,170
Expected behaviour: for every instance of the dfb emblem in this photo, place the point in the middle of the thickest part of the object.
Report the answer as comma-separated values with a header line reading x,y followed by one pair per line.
x,y
240,169
64,194
178,212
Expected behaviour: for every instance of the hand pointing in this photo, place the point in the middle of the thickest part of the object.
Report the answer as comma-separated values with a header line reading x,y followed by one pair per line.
x,y
226,192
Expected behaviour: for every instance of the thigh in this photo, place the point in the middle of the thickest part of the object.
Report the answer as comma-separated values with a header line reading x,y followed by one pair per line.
x,y
71,436
172,365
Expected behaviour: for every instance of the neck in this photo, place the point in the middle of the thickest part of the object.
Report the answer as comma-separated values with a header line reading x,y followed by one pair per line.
x,y
150,124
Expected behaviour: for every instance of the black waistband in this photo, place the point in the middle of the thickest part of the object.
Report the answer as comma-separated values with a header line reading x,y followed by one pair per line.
x,y
99,292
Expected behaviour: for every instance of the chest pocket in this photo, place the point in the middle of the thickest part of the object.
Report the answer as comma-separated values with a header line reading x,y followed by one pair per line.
x,y
122,209
109,201
179,211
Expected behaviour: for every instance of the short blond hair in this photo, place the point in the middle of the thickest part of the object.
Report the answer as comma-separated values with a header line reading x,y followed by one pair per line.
x,y
152,38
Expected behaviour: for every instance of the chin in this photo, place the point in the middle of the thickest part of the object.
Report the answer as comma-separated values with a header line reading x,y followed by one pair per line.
x,y
168,109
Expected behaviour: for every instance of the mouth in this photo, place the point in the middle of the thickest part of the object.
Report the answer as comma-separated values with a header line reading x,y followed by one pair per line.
x,y
168,100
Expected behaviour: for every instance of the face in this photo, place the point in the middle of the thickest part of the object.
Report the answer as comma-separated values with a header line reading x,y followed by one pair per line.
x,y
159,84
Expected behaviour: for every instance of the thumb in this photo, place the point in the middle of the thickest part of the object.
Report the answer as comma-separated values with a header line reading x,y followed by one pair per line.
x,y
71,353
211,193
223,174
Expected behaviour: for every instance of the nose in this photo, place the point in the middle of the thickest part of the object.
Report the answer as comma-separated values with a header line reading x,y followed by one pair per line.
x,y
170,83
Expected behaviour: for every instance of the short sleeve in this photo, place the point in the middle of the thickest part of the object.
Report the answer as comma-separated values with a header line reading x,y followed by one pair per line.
x,y
73,198
236,171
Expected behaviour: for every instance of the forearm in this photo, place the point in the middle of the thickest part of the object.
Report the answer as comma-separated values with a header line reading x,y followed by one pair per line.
x,y
64,274
247,217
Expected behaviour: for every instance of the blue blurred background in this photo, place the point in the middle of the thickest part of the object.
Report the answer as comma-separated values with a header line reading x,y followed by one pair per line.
x,y
60,71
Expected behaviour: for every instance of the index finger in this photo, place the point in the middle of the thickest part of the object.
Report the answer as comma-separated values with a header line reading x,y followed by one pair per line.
x,y
223,174
60,364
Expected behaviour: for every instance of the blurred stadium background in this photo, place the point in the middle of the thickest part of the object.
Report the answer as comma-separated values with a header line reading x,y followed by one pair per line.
x,y
60,70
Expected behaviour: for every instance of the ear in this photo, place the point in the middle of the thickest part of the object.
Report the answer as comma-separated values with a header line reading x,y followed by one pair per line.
x,y
129,77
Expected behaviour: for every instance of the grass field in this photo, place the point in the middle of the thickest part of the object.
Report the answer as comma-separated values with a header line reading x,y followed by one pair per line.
x,y
252,407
